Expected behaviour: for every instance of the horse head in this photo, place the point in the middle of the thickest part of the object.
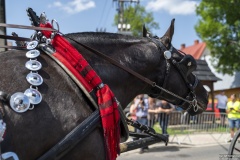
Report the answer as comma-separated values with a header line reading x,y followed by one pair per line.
x,y
152,57
182,86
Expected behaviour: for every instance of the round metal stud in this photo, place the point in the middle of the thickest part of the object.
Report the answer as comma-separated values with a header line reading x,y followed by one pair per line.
x,y
19,102
33,65
167,54
32,45
32,54
34,79
34,96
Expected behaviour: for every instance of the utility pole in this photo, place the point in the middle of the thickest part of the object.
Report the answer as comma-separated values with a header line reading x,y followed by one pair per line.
x,y
123,28
2,20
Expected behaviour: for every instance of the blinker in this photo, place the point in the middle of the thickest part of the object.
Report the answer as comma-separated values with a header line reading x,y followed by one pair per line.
x,y
19,102
34,96
34,79
167,54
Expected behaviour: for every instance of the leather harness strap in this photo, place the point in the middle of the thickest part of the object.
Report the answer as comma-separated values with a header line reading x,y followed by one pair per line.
x,y
27,27
13,47
15,38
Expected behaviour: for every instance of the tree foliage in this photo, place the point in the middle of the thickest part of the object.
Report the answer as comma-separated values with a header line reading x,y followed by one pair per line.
x,y
137,17
219,27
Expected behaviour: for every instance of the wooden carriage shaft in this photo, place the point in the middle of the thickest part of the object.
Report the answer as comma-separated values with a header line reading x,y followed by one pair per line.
x,y
128,146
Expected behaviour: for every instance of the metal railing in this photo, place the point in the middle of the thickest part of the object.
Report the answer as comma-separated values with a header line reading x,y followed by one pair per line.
x,y
183,123
182,126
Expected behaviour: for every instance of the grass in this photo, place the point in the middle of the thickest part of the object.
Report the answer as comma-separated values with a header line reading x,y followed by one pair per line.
x,y
190,129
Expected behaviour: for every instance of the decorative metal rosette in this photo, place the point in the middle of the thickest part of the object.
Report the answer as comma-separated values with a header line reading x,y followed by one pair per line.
x,y
21,102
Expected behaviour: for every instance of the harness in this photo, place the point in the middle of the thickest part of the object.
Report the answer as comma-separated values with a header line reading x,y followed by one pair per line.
x,y
90,123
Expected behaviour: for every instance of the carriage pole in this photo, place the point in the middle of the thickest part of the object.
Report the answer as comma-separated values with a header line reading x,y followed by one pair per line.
x,y
131,145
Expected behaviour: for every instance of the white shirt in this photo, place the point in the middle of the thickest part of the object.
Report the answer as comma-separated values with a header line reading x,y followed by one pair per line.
x,y
222,101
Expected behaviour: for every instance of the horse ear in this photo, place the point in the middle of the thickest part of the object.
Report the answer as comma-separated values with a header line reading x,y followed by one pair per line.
x,y
144,31
170,31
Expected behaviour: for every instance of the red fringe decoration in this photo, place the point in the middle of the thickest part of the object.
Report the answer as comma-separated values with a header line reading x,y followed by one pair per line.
x,y
110,121
80,68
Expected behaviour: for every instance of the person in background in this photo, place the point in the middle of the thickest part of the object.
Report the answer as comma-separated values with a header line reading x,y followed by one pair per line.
x,y
152,117
133,108
164,110
233,113
141,113
221,105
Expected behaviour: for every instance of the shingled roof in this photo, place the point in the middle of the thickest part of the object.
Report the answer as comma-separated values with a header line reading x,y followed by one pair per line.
x,y
204,73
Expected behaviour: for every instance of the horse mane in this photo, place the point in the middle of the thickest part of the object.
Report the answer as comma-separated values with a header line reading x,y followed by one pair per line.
x,y
102,36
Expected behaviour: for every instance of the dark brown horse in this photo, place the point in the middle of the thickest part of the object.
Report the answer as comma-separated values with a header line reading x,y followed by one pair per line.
x,y
64,105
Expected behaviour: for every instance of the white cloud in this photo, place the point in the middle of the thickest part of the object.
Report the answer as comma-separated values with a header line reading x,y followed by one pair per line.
x,y
174,7
74,6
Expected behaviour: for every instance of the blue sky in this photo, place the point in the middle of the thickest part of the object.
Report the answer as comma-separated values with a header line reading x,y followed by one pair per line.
x,y
87,15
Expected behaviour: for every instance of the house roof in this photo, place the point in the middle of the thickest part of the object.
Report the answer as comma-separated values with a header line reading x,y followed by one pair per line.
x,y
196,50
204,73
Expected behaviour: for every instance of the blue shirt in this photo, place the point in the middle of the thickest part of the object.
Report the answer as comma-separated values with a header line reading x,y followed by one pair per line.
x,y
142,111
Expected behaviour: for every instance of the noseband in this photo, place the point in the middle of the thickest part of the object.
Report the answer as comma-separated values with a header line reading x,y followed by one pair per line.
x,y
191,97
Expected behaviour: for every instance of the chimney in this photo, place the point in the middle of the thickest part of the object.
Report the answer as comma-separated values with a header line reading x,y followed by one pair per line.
x,y
183,46
196,42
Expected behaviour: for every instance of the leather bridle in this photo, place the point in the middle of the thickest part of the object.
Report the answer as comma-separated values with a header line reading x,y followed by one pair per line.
x,y
191,97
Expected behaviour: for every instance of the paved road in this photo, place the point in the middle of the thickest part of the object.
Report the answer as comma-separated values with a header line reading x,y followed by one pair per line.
x,y
178,152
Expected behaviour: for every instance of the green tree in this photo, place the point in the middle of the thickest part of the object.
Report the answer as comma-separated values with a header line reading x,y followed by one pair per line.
x,y
219,27
137,17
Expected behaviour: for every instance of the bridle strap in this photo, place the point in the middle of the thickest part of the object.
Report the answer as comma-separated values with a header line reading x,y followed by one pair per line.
x,y
193,102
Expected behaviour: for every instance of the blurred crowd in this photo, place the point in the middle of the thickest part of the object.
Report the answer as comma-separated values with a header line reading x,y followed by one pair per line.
x,y
147,111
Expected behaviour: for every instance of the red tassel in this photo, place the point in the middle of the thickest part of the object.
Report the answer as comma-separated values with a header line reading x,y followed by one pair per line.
x,y
110,121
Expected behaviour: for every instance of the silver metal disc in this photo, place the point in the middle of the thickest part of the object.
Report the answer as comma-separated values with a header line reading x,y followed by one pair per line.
x,y
34,96
167,54
32,54
33,65
32,45
34,79
19,102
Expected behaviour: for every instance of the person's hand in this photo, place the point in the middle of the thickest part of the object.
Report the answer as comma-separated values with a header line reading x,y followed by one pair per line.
x,y
168,111
160,110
